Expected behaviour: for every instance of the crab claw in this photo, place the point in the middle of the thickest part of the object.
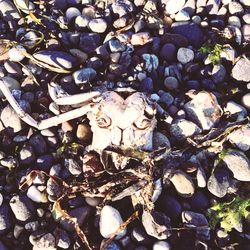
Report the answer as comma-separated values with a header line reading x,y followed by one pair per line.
x,y
61,97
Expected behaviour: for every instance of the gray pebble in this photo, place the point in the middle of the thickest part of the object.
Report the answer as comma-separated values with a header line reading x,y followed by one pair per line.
x,y
140,236
47,241
168,52
98,25
5,218
81,22
166,98
246,101
84,75
246,33
213,6
171,83
235,21
183,129
236,109
185,55
22,207
36,195
32,226
15,53
239,164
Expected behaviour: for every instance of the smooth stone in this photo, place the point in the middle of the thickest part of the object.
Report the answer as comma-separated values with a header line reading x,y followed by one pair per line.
x,y
235,8
80,213
71,13
13,68
116,46
5,218
241,69
199,201
170,205
35,195
140,38
183,184
8,11
235,21
140,236
203,110
160,140
218,73
185,55
84,75
182,15
98,25
10,119
73,166
38,143
11,84
246,32
22,207
110,221
239,165
213,6
166,98
245,100
168,52
161,245
245,2
201,178
240,138
83,132
198,220
172,6
44,162
89,42
219,182
47,241
182,129
81,22
26,155
236,109
191,31
246,18
58,59
171,83
147,85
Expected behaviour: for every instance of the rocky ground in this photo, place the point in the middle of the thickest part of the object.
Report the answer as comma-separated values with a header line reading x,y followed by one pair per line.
x,y
191,57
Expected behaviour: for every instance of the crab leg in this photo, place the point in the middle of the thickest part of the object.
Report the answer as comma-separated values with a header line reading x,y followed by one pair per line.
x,y
61,97
47,123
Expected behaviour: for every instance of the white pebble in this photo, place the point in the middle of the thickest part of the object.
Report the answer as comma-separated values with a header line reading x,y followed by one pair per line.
x,y
185,55
110,221
161,245
98,25
34,194
71,13
15,53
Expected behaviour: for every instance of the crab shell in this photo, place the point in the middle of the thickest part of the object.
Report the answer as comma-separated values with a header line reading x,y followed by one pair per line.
x,y
123,122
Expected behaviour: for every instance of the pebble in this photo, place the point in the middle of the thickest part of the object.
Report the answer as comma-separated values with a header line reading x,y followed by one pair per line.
x,y
140,236
235,8
166,98
246,18
204,110
191,31
38,144
71,13
10,119
245,2
240,138
5,218
147,85
22,207
235,21
26,155
161,245
80,213
172,7
218,73
185,55
239,164
199,201
116,46
35,195
246,33
171,83
182,129
213,6
63,240
81,22
140,38
183,184
47,241
73,166
89,42
246,101
98,25
44,162
151,62
241,69
13,68
219,182
160,140
110,221
11,84
191,219
168,52
236,109
84,75
57,59
83,132
8,11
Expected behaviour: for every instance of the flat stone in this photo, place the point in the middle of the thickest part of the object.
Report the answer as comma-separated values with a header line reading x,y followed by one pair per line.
x,y
204,110
239,164
160,140
58,59
168,52
182,129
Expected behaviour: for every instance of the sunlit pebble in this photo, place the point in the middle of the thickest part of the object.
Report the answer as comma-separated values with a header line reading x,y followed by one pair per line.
x,y
15,53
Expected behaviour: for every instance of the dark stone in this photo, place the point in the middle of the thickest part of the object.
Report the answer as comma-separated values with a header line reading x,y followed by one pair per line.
x,y
191,31
147,85
44,162
38,144
89,42
168,52
199,201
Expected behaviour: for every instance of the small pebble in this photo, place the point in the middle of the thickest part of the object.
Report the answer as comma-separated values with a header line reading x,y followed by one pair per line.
x,y
98,25
161,245
35,195
185,55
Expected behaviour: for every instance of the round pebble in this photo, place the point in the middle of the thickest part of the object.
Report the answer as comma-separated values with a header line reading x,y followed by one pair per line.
x,y
185,55
171,83
98,25
161,245
35,195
